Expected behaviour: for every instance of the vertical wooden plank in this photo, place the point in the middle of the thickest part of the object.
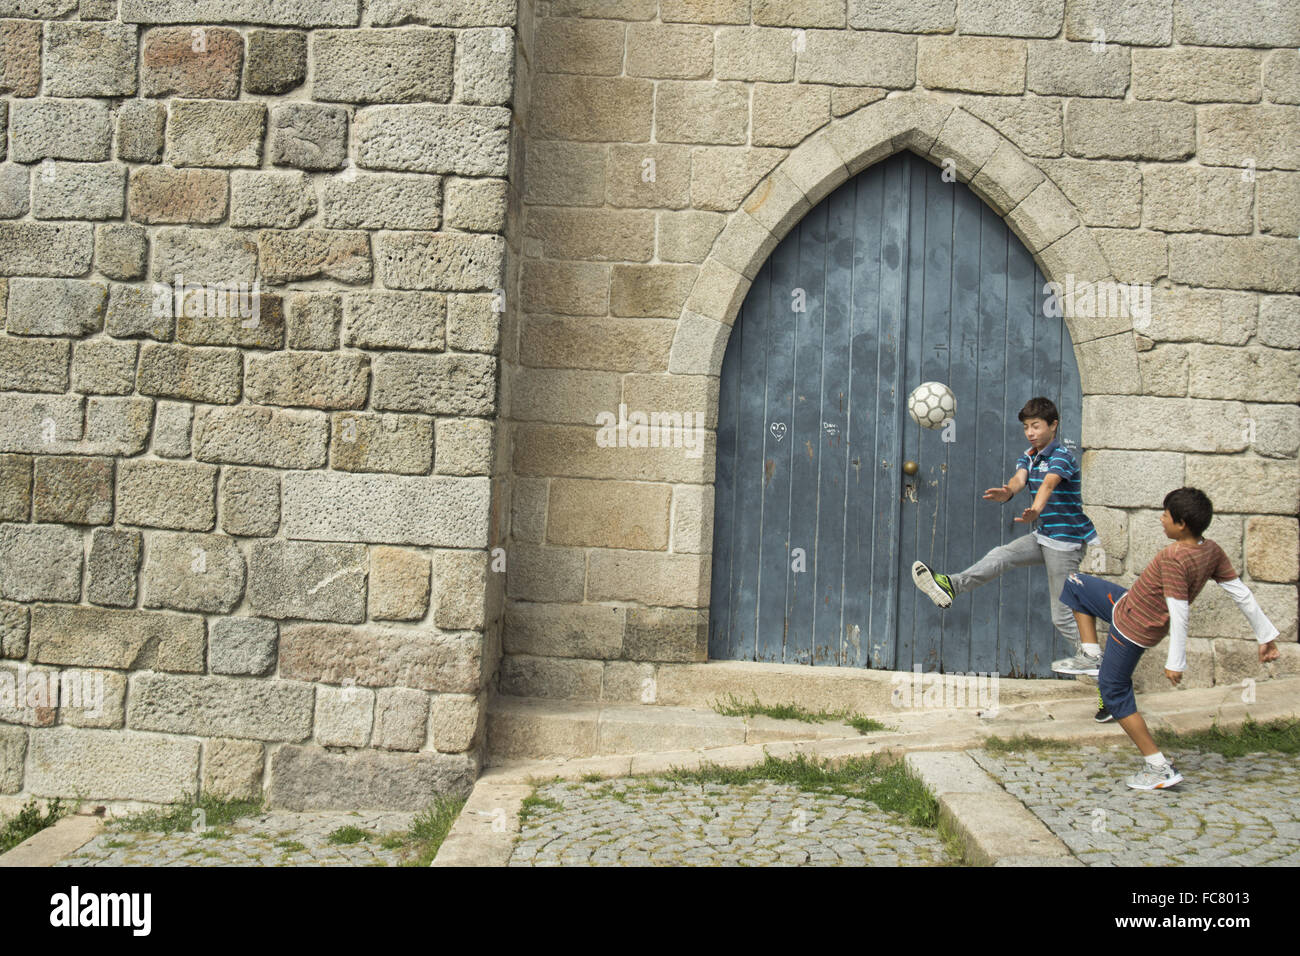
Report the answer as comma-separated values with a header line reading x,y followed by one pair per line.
x,y
1016,610
805,490
868,625
889,589
995,457
774,539
721,591
888,584
750,429
961,628
829,595
1043,636
934,313
911,612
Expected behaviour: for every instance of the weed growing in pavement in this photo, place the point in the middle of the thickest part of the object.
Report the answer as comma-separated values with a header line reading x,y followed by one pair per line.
x,y
734,707
209,811
1275,736
883,782
999,745
30,820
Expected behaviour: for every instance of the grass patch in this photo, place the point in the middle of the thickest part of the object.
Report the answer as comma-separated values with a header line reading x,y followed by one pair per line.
x,y
886,784
866,725
289,846
734,707
1275,736
953,845
418,844
344,836
30,820
116,844
534,804
592,777
999,745
207,811
430,828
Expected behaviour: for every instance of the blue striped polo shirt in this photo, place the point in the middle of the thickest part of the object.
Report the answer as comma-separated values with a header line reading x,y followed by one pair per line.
x,y
1062,524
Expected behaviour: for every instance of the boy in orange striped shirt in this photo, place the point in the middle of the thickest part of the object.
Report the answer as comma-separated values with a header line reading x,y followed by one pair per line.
x,y
1156,605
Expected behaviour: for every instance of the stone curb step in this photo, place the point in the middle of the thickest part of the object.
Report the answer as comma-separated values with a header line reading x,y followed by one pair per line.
x,y
855,689
994,827
54,843
536,727
521,727
484,833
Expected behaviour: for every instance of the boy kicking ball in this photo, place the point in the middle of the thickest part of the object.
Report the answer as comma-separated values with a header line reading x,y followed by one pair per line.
x,y
1156,605
1059,532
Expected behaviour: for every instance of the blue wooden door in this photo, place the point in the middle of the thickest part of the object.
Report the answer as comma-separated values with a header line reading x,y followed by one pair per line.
x,y
894,279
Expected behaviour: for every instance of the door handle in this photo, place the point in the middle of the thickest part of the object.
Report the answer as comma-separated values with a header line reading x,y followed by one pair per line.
x,y
910,468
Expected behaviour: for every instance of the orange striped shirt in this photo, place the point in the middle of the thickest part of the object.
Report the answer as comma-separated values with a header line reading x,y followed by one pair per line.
x,y
1177,572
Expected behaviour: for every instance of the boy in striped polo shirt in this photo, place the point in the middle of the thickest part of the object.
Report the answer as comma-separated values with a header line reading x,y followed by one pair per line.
x,y
1154,606
1059,531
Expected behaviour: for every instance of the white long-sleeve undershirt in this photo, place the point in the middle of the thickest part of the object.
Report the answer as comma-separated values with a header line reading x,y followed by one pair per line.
x,y
1246,603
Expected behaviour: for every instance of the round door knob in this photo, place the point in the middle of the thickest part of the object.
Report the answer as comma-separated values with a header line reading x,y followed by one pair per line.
x,y
910,468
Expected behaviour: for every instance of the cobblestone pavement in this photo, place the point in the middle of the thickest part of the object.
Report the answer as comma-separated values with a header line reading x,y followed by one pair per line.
x,y
650,822
274,838
1242,811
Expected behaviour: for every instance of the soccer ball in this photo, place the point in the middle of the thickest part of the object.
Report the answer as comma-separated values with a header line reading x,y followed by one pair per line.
x,y
932,404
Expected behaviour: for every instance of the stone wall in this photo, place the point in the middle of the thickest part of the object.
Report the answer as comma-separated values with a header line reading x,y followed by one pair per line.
x,y
265,533
670,144
273,543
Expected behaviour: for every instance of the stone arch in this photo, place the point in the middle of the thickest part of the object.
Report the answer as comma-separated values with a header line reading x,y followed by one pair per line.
x,y
1034,208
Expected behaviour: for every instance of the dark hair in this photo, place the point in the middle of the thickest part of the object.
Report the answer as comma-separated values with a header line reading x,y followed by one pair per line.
x,y
1191,508
1040,408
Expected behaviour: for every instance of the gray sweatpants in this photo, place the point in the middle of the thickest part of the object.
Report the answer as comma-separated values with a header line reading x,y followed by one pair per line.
x,y
1023,551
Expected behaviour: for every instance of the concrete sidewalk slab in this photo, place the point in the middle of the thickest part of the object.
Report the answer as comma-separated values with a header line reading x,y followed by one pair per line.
x,y
54,843
484,833
992,824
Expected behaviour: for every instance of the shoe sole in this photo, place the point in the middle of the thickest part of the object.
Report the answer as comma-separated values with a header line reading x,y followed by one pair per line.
x,y
1090,672
1104,720
924,579
1162,785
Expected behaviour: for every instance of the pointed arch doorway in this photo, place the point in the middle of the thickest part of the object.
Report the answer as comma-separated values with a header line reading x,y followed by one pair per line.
x,y
897,277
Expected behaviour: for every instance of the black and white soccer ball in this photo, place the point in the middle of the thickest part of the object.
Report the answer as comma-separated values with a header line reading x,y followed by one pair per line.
x,y
932,404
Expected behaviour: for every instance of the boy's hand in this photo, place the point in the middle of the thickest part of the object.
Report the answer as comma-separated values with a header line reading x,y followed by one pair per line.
x,y
1174,676
998,494
1268,652
1028,516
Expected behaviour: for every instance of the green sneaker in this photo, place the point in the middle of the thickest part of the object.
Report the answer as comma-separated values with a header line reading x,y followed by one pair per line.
x,y
937,587
1103,716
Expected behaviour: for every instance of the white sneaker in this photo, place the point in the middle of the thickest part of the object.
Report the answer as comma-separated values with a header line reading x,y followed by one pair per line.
x,y
1080,663
1154,778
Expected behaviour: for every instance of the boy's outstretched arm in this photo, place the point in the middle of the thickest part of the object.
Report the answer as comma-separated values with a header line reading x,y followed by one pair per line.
x,y
1008,491
1030,514
1265,633
1176,661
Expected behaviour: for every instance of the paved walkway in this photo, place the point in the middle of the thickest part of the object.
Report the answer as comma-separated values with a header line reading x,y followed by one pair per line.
x,y
653,822
1242,811
276,838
